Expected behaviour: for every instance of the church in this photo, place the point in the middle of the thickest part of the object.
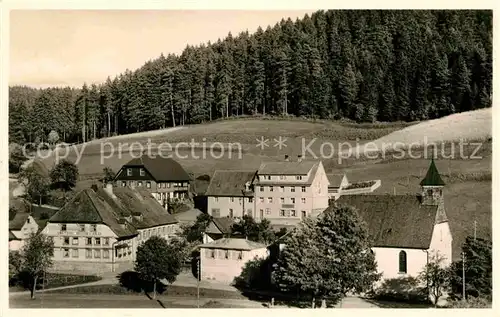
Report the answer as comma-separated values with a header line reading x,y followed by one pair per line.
x,y
406,230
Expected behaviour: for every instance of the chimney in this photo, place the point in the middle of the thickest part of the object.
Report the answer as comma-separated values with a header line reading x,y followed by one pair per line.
x,y
109,190
299,158
287,159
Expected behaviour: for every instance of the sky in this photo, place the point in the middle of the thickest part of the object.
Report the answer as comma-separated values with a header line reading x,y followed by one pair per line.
x,y
68,48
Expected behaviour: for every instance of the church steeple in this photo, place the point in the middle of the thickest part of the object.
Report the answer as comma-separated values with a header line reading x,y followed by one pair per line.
x,y
432,191
432,178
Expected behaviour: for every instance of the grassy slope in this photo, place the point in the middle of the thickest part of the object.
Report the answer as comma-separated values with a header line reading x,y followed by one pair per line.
x,y
467,196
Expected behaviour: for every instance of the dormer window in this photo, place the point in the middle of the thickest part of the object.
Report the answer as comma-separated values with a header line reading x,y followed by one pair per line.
x,y
129,172
63,227
142,172
298,177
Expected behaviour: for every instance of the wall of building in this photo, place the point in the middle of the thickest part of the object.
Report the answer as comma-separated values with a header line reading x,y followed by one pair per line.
x,y
388,262
166,231
441,242
222,269
239,205
15,245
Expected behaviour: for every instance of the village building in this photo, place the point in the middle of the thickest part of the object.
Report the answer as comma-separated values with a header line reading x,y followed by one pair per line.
x,y
218,228
406,229
222,260
21,226
100,228
286,192
230,194
163,177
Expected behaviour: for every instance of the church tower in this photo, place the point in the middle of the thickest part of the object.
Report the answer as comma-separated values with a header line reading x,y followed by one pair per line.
x,y
432,191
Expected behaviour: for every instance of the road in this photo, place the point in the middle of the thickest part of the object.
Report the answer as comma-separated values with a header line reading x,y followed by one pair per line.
x,y
46,300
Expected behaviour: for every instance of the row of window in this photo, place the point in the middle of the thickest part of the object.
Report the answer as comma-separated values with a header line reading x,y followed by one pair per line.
x,y
145,234
232,199
282,177
291,213
139,183
224,254
282,200
81,227
88,241
282,189
96,253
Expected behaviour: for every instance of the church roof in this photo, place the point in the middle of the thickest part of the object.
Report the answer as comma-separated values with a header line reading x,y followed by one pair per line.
x,y
398,221
432,178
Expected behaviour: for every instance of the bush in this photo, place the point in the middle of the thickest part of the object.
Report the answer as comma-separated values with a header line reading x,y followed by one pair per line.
x,y
404,289
472,302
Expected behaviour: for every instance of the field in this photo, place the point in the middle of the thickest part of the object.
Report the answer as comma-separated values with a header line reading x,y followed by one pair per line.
x,y
467,172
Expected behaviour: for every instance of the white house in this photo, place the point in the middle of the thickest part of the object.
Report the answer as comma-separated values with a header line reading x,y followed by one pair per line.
x,y
406,229
222,260
21,225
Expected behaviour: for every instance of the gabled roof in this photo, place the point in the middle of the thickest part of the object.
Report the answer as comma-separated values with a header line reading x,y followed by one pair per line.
x,y
12,236
399,221
233,244
335,179
188,216
432,178
223,225
286,168
124,211
17,220
229,183
161,169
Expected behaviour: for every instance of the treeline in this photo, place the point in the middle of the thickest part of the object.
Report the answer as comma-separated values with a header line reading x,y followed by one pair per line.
x,y
363,65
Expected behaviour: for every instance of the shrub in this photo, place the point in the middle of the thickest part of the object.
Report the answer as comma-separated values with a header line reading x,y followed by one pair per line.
x,y
472,302
403,289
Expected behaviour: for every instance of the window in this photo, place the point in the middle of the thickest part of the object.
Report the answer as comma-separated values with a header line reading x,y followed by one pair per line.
x,y
81,227
268,177
282,200
97,253
270,200
216,199
292,200
282,189
240,255
89,241
303,213
88,253
261,199
168,185
66,253
268,211
142,172
106,241
105,254
226,254
303,189
232,199
129,172
216,213
402,262
93,228
298,177
292,189
261,188
270,188
212,254
231,213
139,184
74,253
124,184
63,227
282,177
75,241
240,200
294,214
250,199
66,241
303,200
98,241
282,213
148,184
28,220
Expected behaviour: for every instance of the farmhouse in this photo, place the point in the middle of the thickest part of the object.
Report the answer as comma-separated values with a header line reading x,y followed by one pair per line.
x,y
406,229
230,194
222,260
100,228
163,177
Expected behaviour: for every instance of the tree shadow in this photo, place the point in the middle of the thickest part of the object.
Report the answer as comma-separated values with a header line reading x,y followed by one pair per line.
x,y
399,293
132,281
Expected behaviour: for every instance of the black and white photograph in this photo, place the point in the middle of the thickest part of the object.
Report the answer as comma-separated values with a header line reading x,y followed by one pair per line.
x,y
268,159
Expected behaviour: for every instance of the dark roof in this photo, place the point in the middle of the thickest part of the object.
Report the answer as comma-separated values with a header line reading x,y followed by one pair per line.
x,y
41,223
17,220
286,168
161,169
335,179
394,220
432,178
229,183
12,236
224,224
124,212
233,244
